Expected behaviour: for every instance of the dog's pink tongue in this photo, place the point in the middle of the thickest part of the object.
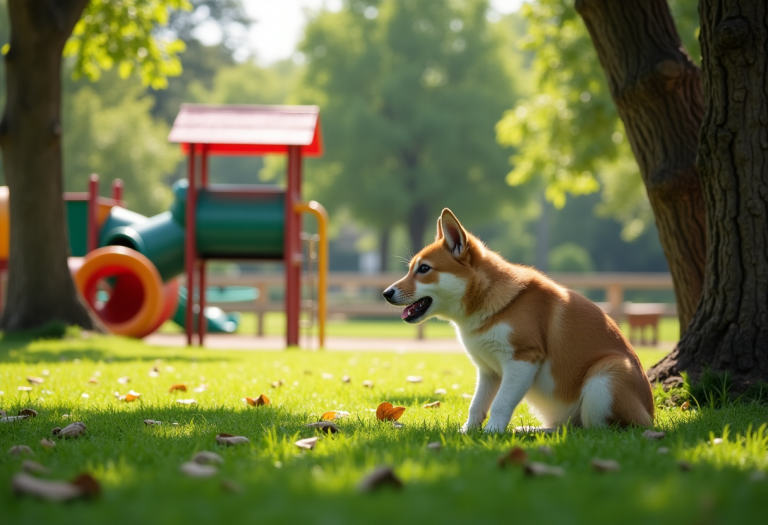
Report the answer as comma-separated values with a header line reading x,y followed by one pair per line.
x,y
406,312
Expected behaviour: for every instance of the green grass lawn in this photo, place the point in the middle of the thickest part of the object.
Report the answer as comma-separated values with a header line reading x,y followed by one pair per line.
x,y
138,466
274,324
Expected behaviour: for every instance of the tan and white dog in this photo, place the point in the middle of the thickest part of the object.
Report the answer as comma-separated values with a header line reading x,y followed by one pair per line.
x,y
528,336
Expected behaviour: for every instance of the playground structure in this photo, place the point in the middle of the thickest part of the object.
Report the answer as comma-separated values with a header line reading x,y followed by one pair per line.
x,y
126,265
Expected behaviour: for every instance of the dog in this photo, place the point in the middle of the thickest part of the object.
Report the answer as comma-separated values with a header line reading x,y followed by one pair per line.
x,y
527,335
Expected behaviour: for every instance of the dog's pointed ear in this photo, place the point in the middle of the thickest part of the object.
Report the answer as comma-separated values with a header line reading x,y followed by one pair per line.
x,y
439,234
454,235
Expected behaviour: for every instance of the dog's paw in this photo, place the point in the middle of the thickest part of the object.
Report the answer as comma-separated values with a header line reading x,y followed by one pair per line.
x,y
468,427
494,428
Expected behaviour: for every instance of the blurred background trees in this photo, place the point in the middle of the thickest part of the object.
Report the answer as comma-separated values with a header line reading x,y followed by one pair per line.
x,y
425,104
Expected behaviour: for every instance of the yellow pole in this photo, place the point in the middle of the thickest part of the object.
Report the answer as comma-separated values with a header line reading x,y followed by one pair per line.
x,y
316,209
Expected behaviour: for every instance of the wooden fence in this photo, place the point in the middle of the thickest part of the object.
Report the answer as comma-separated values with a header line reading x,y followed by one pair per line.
x,y
355,294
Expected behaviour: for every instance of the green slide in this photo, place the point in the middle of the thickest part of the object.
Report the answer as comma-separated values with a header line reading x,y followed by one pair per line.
x,y
219,322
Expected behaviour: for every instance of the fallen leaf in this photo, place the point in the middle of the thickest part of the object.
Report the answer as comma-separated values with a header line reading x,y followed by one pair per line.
x,y
717,441
73,430
685,406
18,450
56,431
435,445
154,372
381,477
397,424
186,401
346,379
544,449
605,465
652,434
441,392
307,443
201,388
684,466
387,412
435,404
47,443
129,397
35,380
178,386
25,389
515,456
151,422
466,396
198,470
93,380
24,483
33,467
229,439
11,419
258,401
534,430
205,457
88,485
123,380
414,379
334,414
541,469
276,384
325,426
28,412
367,384
307,372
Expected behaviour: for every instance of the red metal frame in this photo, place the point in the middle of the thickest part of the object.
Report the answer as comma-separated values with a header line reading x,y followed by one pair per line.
x,y
92,234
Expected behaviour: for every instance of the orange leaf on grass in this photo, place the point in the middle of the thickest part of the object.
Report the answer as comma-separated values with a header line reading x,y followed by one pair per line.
x,y
179,386
387,412
334,414
258,401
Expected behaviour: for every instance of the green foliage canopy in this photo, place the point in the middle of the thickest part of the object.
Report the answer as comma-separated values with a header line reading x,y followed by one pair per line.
x,y
410,92
568,131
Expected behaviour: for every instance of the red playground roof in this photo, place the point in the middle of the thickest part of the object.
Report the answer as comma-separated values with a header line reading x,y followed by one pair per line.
x,y
248,130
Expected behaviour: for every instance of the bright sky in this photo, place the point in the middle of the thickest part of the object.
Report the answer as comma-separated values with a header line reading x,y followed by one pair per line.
x,y
279,24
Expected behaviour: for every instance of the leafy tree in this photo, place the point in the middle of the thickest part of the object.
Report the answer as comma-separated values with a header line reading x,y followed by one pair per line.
x,y
410,92
97,35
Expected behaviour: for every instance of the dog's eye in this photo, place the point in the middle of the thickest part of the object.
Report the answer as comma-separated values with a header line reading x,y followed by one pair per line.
x,y
423,269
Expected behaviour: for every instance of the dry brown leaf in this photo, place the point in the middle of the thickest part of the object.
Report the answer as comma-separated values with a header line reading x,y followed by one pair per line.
x,y
414,379
18,450
275,384
307,443
652,434
88,485
24,483
25,389
229,439
73,430
534,430
435,404
205,457
685,406
151,422
28,412
387,412
541,469
198,470
129,397
33,467
231,486
56,431
441,392
35,380
181,387
334,414
47,443
325,426
123,380
435,445
381,477
12,419
258,401
93,381
515,456
186,401
605,465
367,383
154,372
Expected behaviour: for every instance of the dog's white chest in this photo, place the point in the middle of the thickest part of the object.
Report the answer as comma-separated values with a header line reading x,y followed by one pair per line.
x,y
489,349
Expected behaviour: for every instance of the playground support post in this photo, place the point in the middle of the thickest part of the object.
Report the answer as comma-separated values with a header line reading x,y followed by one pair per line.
x,y
92,233
292,255
201,320
317,209
117,192
190,248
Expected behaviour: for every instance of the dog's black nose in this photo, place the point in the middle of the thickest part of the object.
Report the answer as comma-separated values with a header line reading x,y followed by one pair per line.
x,y
389,293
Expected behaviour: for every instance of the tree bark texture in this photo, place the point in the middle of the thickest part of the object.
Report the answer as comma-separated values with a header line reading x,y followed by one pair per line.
x,y
730,329
40,287
657,91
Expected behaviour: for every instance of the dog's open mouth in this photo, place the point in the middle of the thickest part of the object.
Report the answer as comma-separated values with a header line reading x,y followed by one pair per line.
x,y
416,310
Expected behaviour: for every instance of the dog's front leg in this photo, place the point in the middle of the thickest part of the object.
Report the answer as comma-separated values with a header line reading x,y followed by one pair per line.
x,y
516,379
487,385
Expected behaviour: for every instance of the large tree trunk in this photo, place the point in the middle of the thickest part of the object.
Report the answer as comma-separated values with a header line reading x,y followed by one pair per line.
x,y
40,288
730,329
657,90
